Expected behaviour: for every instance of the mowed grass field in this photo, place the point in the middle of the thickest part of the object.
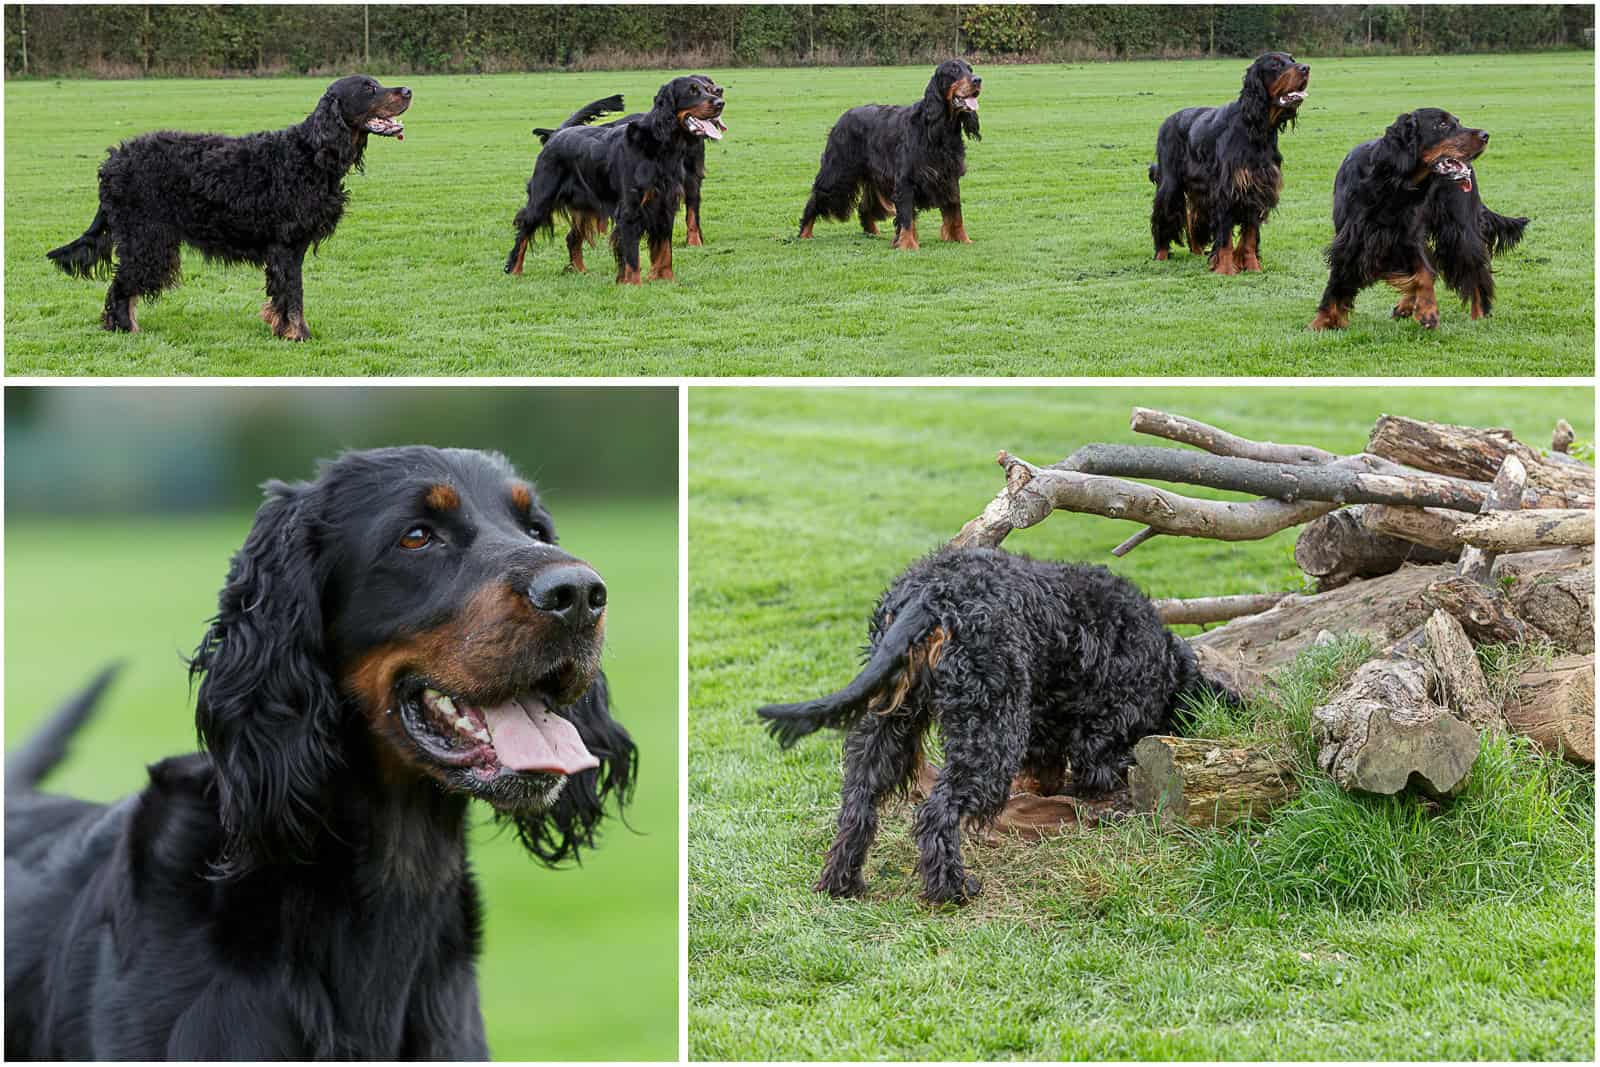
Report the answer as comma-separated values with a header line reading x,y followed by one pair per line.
x,y
1342,929
578,964
1060,280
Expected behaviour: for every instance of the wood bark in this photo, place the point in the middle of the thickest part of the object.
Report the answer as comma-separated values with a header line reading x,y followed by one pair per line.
x,y
1214,608
1032,493
1457,678
1554,706
1434,528
1468,452
1561,437
1220,442
1554,590
1339,547
1504,495
1484,612
1382,733
1524,531
1205,783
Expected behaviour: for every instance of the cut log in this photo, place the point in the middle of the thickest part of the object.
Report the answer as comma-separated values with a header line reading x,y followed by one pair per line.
x,y
1525,531
1554,591
1339,547
1214,608
1554,706
1220,442
1205,783
1432,527
1458,679
1504,495
1484,612
1382,733
1468,452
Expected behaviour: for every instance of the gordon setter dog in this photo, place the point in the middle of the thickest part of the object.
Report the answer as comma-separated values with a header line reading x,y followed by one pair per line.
x,y
1024,665
1393,198
694,171
631,173
1219,167
262,199
395,639
883,159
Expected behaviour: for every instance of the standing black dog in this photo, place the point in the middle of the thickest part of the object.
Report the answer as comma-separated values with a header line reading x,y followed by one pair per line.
x,y
263,199
1219,167
394,639
694,170
632,174
883,159
1392,197
1025,665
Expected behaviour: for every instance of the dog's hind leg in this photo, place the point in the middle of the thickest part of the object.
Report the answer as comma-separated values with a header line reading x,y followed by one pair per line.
x,y
1166,215
148,261
983,749
880,756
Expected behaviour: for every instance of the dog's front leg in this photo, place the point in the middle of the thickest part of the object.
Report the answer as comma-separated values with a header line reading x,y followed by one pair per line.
x,y
284,310
625,243
905,212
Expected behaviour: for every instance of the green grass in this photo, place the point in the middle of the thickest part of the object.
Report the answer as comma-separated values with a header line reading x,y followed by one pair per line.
x,y
81,593
1060,281
1344,928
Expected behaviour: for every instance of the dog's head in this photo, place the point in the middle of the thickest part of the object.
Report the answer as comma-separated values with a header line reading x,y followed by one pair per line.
x,y
349,110
411,603
688,107
952,95
1430,142
1274,88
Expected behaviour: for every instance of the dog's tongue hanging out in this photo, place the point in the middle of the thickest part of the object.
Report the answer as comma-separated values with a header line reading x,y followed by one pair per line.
x,y
527,736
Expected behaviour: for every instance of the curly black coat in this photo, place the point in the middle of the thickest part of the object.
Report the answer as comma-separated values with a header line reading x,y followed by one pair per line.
x,y
883,158
1025,665
262,199
630,175
395,639
1219,167
1392,198
694,169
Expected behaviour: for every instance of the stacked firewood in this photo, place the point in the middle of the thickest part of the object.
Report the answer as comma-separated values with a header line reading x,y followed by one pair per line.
x,y
1431,541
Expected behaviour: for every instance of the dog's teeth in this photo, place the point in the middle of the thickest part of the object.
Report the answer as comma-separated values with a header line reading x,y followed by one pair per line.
x,y
445,704
481,735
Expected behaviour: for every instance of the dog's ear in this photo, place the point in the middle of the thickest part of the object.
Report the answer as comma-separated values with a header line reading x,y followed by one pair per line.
x,y
337,147
933,101
267,709
1254,100
660,122
569,824
1401,137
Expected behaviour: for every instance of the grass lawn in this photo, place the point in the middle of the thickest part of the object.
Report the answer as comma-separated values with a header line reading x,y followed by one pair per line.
x,y
1342,929
549,972
1060,281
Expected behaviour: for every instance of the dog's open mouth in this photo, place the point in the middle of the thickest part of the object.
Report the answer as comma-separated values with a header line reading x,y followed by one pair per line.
x,y
1292,100
712,127
1455,170
524,735
386,127
967,103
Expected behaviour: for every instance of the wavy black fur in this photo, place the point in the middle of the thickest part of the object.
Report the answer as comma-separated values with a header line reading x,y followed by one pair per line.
x,y
883,158
300,889
1396,197
629,175
1219,167
262,199
1025,666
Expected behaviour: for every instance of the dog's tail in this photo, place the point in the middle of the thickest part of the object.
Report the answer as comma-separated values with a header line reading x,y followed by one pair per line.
x,y
1155,174
28,765
897,651
1500,233
583,116
89,255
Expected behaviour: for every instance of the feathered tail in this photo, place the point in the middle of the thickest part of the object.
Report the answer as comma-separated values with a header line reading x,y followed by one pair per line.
x,y
583,116
38,756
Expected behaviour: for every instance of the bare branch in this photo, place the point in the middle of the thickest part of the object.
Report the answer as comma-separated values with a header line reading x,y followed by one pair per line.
x,y
1220,442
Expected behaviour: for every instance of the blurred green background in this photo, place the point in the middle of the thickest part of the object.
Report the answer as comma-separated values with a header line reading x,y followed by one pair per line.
x,y
123,507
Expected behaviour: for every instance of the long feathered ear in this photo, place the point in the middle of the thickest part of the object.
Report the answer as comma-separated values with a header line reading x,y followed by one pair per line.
x,y
1253,100
661,120
336,147
268,710
569,824
933,102
1400,142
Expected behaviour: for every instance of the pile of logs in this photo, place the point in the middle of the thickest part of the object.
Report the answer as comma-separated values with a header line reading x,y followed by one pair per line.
x,y
1432,540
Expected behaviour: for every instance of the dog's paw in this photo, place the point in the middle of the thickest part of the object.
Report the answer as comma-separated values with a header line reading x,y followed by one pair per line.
x,y
841,888
956,892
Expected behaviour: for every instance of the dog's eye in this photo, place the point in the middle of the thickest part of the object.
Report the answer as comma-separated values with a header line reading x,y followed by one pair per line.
x,y
538,533
416,537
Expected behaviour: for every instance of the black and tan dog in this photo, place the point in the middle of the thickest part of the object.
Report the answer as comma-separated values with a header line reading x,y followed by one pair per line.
x,y
628,176
884,159
263,199
1393,197
1219,167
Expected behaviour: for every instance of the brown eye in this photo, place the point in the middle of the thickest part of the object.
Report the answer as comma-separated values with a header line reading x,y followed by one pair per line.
x,y
416,537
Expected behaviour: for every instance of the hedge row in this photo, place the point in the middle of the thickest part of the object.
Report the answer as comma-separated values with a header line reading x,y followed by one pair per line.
x,y
202,40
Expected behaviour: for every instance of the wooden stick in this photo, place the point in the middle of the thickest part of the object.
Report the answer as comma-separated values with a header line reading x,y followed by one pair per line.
x,y
1524,531
1504,495
1468,452
1215,608
1433,527
1220,442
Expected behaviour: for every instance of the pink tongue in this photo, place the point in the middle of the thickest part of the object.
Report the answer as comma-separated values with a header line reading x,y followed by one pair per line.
x,y
528,737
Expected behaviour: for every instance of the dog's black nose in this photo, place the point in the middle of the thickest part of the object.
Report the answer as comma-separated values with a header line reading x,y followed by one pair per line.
x,y
1484,134
404,92
571,592
1302,68
976,81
